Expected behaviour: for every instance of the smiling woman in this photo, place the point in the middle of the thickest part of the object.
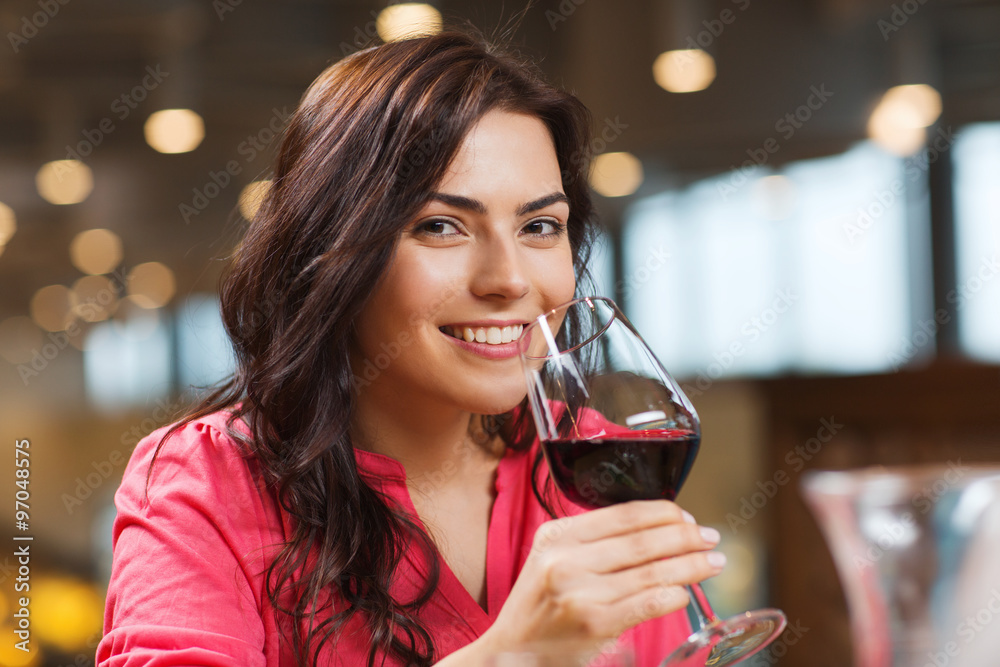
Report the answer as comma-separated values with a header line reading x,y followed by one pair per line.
x,y
366,488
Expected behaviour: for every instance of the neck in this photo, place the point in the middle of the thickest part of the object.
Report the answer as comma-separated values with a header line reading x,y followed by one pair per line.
x,y
437,445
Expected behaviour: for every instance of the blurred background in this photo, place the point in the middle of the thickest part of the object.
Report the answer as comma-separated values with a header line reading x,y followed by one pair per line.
x,y
802,201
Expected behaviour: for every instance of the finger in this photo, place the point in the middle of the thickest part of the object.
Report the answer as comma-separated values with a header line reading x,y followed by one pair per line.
x,y
626,518
668,573
659,599
649,545
647,604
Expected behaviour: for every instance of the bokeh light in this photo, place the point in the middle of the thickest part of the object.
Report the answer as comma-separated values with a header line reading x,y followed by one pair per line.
x,y
65,612
52,307
64,181
407,20
915,105
251,197
151,285
684,70
95,298
899,120
8,223
174,130
11,656
96,251
898,139
19,337
616,174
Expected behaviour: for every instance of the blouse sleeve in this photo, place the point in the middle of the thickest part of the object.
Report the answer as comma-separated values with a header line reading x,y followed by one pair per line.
x,y
186,580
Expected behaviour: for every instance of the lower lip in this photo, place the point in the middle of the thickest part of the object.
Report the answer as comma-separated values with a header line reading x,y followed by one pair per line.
x,y
501,351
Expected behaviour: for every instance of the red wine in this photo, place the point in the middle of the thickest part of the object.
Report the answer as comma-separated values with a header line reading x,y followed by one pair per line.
x,y
644,465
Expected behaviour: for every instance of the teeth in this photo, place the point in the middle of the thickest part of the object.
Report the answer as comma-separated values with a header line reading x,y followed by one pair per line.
x,y
489,335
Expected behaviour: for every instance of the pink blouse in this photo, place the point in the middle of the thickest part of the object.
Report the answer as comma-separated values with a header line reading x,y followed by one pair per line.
x,y
187,585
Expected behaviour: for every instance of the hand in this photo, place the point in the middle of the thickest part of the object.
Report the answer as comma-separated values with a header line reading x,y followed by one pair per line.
x,y
595,575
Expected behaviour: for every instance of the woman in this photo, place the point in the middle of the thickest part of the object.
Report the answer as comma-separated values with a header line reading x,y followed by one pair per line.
x,y
366,488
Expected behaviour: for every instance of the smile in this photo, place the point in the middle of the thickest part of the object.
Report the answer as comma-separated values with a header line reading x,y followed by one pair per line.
x,y
488,335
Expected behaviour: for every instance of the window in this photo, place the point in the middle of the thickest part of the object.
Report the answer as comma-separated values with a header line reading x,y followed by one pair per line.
x,y
755,273
131,361
976,156
126,362
602,269
204,351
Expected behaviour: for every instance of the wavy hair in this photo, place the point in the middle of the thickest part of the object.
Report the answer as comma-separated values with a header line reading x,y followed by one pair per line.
x,y
372,136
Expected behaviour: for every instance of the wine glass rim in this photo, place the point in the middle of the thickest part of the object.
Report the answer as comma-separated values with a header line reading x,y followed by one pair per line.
x,y
615,312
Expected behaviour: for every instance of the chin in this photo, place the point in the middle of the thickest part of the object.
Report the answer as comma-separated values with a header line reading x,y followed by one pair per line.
x,y
496,402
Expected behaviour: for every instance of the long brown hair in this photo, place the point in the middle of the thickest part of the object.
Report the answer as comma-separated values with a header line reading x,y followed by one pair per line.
x,y
370,139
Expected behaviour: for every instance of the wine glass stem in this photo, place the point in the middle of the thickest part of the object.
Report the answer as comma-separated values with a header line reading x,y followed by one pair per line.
x,y
702,609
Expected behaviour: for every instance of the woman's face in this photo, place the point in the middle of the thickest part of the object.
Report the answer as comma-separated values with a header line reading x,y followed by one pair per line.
x,y
486,254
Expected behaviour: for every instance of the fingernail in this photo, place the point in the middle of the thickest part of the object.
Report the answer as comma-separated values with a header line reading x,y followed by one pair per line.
x,y
716,559
710,535
687,516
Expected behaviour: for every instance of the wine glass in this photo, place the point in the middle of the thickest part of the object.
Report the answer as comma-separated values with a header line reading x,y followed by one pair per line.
x,y
614,427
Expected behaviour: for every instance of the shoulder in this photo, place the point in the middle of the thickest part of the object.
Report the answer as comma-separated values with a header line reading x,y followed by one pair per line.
x,y
196,486
194,532
203,441
198,458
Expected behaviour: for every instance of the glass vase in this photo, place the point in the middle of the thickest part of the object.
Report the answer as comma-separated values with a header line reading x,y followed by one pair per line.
x,y
917,550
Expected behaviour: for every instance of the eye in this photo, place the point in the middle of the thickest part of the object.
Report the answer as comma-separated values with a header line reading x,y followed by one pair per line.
x,y
544,227
436,227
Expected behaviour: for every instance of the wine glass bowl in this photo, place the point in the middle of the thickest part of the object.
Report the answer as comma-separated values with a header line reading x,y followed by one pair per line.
x,y
614,426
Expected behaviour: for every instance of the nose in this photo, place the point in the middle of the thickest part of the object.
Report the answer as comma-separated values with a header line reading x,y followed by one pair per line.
x,y
499,271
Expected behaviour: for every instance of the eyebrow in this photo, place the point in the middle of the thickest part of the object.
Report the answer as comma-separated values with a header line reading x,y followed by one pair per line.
x,y
477,206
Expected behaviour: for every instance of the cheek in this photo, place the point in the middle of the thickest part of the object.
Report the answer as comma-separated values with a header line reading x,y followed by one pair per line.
x,y
557,279
385,315
411,293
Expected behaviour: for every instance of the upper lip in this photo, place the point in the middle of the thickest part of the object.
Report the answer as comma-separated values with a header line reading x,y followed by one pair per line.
x,y
482,324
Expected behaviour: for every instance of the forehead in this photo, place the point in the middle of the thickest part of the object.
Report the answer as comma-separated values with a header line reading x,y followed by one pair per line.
x,y
505,149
